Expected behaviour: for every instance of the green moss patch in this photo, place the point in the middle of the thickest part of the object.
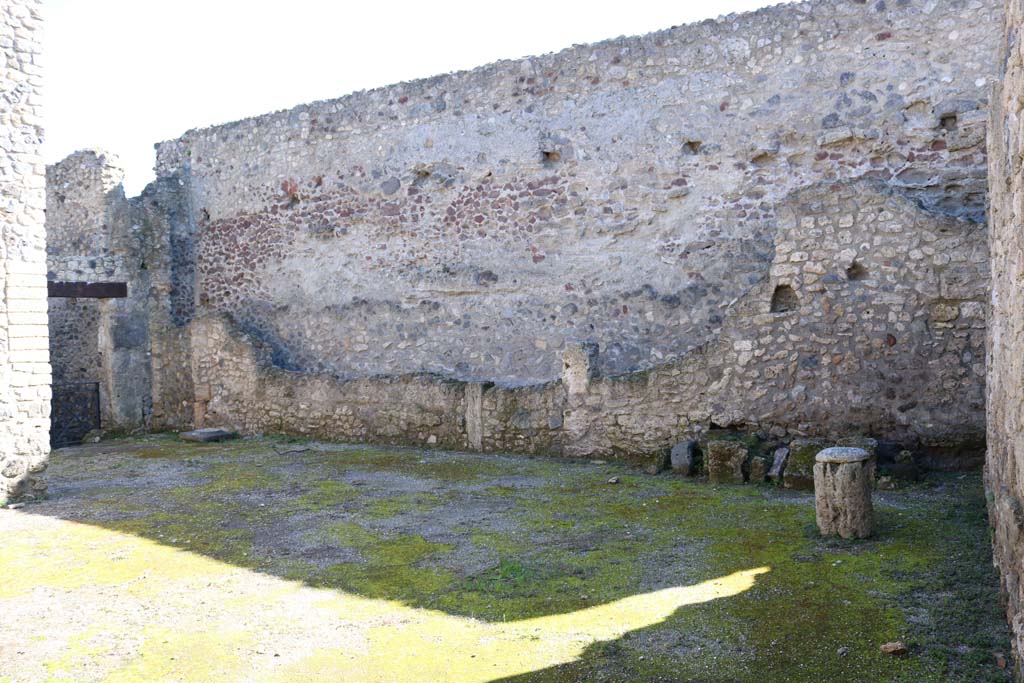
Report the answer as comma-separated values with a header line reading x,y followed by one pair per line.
x,y
496,554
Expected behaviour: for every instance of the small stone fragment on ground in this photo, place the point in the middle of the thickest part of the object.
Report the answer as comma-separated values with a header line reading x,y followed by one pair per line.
x,y
285,450
896,649
208,435
613,480
93,436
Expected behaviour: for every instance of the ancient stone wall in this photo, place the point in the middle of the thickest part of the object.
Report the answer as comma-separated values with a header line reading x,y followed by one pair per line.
x,y
91,239
24,359
1004,467
623,192
882,333
771,222
134,347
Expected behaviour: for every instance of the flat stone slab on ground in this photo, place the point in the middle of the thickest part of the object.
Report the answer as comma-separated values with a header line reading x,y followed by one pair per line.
x,y
208,435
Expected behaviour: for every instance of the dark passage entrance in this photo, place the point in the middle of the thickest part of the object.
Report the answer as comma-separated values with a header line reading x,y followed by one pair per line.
x,y
74,412
76,319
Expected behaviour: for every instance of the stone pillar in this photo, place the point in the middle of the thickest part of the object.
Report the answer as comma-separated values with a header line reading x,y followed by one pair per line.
x,y
842,492
578,369
475,416
24,344
579,366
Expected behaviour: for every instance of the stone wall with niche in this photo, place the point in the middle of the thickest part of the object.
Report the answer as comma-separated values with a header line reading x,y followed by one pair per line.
x,y
772,221
883,334
623,192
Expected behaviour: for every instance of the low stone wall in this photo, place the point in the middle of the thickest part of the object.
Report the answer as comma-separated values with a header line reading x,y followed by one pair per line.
x,y
24,359
1004,467
234,387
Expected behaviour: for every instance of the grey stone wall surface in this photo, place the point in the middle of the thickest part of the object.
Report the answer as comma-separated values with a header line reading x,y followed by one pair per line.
x,y
623,192
772,222
1004,467
135,347
91,237
24,359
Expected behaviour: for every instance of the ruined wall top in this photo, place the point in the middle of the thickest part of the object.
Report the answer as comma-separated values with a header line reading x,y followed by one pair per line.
x,y
743,66
81,238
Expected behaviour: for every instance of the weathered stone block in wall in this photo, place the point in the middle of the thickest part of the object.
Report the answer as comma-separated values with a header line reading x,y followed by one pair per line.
x,y
579,366
685,458
799,473
759,467
726,460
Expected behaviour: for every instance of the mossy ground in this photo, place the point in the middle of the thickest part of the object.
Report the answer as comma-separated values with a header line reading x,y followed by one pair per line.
x,y
268,560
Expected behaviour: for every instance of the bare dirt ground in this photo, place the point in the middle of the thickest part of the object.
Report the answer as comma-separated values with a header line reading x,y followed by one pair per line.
x,y
275,560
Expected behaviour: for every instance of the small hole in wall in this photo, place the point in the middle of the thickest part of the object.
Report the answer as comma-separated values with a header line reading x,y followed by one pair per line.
x,y
691,147
856,272
784,300
947,122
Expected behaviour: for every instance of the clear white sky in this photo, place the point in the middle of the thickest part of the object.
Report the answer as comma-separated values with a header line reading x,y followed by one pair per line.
x,y
122,75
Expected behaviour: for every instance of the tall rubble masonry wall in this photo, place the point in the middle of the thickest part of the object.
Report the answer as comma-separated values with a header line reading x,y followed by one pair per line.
x,y
639,194
24,355
1004,471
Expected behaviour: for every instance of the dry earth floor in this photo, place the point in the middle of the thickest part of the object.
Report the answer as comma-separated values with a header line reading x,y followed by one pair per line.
x,y
276,560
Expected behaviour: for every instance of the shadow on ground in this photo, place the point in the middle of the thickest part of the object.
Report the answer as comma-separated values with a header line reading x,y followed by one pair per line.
x,y
273,560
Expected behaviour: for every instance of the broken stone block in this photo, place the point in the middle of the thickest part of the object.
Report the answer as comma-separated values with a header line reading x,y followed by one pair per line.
x,y
659,462
778,463
685,458
843,479
208,435
725,460
799,471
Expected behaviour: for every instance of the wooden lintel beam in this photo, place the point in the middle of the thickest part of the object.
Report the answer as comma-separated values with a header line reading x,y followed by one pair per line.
x,y
87,290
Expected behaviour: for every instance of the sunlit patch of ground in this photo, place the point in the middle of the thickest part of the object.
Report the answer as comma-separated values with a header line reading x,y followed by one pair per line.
x,y
269,560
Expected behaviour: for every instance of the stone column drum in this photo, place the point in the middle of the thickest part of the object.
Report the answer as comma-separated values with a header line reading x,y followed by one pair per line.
x,y
842,492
